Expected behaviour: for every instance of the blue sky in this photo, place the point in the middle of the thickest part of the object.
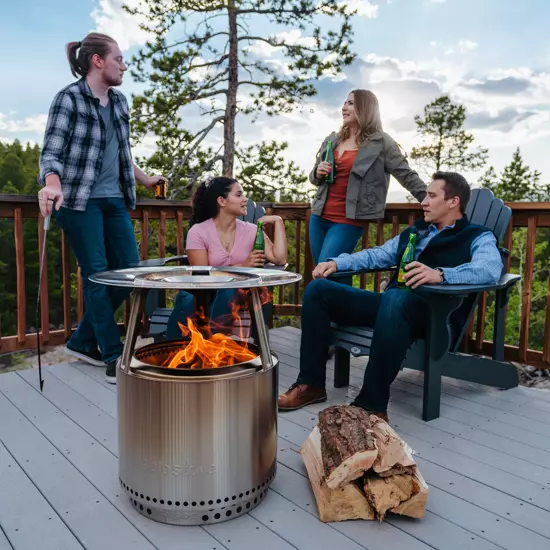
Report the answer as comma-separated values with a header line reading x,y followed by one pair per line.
x,y
491,55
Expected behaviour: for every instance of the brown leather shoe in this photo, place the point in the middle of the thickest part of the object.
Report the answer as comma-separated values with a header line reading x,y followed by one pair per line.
x,y
380,414
300,395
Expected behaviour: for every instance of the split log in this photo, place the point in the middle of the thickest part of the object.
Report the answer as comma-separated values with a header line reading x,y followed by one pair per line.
x,y
415,507
348,447
347,502
394,455
386,493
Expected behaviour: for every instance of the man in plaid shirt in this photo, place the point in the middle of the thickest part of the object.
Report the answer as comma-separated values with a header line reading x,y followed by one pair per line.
x,y
88,174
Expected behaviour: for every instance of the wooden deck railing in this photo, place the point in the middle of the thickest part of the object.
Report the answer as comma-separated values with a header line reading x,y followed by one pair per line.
x,y
161,226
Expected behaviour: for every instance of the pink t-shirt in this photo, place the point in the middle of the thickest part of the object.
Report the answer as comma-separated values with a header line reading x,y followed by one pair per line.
x,y
203,236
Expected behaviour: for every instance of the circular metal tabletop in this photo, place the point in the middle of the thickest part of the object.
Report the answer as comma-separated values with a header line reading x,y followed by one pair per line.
x,y
195,277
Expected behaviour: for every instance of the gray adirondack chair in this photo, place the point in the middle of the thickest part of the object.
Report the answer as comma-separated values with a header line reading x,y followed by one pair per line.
x,y
155,306
438,353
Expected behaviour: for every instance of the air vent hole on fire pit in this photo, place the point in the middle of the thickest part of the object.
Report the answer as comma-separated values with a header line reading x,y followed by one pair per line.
x,y
213,515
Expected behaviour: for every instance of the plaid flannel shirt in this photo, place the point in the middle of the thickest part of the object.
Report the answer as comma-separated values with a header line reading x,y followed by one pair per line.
x,y
74,144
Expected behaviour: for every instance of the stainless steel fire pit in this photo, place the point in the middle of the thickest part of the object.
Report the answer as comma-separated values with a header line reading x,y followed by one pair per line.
x,y
196,448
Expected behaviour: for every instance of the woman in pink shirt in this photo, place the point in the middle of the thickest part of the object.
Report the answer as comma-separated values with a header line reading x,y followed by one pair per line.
x,y
218,238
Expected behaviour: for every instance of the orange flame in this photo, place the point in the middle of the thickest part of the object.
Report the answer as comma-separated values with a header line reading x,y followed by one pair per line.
x,y
207,350
218,350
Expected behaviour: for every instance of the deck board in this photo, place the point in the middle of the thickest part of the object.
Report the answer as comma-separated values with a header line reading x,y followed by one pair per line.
x,y
21,500
486,459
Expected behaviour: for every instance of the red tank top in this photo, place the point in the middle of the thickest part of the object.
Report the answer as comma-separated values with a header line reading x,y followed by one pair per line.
x,y
335,205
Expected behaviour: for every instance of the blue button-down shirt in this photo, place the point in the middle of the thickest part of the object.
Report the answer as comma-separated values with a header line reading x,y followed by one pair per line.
x,y
484,268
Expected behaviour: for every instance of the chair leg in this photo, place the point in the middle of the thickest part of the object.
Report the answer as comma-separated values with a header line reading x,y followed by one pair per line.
x,y
341,367
432,391
438,342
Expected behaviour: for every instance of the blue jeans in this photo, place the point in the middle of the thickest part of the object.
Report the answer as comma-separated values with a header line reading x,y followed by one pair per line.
x,y
184,307
329,239
397,316
102,238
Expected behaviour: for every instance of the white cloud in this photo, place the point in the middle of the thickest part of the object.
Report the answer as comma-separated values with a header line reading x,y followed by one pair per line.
x,y
463,46
110,18
34,124
466,46
364,8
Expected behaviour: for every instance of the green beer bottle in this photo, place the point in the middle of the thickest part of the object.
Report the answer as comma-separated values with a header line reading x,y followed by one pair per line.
x,y
329,157
259,242
407,258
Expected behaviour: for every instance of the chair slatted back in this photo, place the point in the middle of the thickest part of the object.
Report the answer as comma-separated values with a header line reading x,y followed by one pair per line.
x,y
253,212
483,209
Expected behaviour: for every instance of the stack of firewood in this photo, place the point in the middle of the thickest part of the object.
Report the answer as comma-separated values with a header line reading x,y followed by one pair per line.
x,y
359,468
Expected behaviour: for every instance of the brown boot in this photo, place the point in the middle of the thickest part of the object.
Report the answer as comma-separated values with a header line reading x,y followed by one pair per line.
x,y
383,415
300,395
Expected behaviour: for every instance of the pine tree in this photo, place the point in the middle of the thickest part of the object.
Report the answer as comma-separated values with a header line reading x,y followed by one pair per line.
x,y
204,54
445,143
517,183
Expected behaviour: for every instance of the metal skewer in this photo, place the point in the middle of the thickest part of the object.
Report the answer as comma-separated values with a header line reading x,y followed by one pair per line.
x,y
47,220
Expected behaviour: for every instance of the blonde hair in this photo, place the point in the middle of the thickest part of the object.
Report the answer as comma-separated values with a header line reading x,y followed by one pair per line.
x,y
367,112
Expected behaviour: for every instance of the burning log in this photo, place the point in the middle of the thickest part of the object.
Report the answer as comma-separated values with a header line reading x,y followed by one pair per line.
x,y
348,447
359,468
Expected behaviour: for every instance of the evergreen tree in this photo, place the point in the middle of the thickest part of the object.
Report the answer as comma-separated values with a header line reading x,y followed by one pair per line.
x,y
215,56
517,182
445,143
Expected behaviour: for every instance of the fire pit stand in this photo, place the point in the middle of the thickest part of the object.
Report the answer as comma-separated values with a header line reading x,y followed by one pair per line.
x,y
196,449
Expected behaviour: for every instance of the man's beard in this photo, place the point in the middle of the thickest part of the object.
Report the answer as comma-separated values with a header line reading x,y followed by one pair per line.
x,y
112,82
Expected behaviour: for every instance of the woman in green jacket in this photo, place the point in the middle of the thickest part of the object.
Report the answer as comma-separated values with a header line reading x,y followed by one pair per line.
x,y
364,159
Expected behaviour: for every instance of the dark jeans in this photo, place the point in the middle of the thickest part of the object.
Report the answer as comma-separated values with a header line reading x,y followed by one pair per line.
x,y
397,316
102,238
184,307
328,240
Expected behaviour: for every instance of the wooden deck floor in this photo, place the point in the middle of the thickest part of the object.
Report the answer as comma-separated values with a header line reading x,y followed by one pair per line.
x,y
487,461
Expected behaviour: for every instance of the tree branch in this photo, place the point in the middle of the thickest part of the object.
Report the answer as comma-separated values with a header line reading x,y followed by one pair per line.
x,y
177,164
283,44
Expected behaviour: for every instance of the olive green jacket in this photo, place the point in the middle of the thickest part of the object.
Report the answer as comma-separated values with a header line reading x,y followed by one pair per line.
x,y
377,158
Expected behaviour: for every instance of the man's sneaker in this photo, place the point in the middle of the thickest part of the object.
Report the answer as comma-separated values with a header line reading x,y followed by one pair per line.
x,y
91,357
300,395
110,373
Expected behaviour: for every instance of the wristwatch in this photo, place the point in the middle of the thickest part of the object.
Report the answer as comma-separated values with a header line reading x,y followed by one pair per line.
x,y
442,274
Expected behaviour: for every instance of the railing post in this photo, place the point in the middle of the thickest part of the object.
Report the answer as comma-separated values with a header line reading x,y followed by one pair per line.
x,y
308,259
20,271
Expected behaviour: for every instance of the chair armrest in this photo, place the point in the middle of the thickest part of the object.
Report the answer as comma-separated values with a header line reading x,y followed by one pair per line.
x,y
160,262
347,273
505,281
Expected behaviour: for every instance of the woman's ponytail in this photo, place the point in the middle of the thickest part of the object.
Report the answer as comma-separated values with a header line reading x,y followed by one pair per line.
x,y
205,198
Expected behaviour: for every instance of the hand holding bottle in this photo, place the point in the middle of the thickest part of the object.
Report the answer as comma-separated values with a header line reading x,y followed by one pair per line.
x,y
255,259
323,170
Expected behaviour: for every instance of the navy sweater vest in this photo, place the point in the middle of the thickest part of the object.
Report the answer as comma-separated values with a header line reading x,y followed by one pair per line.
x,y
449,248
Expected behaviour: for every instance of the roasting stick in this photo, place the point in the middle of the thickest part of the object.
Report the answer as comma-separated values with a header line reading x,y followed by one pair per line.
x,y
47,220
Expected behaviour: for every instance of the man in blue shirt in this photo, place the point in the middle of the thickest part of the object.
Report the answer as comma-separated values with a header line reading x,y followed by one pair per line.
x,y
449,250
